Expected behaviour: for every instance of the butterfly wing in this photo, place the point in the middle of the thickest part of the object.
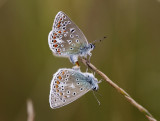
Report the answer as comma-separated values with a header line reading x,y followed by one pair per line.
x,y
67,86
66,38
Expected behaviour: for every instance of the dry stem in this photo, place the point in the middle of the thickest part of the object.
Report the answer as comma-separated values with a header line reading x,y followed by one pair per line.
x,y
30,111
120,90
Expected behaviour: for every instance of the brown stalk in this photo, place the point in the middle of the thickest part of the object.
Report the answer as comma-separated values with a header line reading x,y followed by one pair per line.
x,y
120,90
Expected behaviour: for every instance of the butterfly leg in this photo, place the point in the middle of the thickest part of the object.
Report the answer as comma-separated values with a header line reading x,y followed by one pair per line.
x,y
87,69
73,59
85,57
94,73
77,67
99,81
77,63
90,54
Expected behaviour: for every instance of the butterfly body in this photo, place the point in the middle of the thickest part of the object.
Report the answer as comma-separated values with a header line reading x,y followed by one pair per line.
x,y
68,85
67,40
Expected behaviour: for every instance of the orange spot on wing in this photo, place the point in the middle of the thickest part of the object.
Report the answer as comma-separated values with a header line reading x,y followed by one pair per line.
x,y
62,72
54,37
59,31
61,93
55,34
65,96
64,31
59,77
58,25
59,22
54,41
57,90
56,86
58,82
58,50
55,45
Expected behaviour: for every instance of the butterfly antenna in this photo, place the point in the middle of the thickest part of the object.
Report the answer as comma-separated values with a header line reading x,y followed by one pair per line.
x,y
99,94
96,98
94,42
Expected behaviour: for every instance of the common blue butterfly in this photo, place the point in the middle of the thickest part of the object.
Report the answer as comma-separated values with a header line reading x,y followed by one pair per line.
x,y
67,40
68,85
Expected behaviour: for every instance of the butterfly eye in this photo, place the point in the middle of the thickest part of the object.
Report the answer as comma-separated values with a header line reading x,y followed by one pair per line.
x,y
92,46
77,80
94,88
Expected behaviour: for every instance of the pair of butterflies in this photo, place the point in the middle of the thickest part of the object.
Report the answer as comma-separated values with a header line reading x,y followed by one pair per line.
x,y
67,40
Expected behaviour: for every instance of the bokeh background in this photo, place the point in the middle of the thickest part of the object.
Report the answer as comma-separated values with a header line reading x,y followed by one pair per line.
x,y
130,56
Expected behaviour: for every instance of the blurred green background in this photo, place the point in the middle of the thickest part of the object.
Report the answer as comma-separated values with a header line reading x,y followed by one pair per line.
x,y
130,56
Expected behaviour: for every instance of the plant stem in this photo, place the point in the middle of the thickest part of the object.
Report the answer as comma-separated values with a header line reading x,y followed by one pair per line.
x,y
30,110
120,90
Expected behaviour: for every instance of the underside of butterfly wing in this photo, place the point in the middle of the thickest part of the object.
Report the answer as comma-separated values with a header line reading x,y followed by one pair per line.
x,y
66,38
67,85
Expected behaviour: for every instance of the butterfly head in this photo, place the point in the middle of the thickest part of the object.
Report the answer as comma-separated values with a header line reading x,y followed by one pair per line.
x,y
91,46
92,80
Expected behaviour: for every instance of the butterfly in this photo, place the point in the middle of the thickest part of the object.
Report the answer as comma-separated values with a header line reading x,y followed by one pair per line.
x,y
67,40
68,85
